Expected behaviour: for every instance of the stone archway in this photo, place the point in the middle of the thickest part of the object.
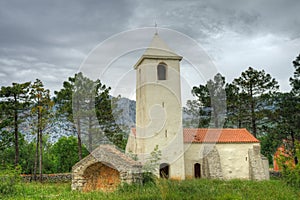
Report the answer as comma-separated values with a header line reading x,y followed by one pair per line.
x,y
104,169
101,177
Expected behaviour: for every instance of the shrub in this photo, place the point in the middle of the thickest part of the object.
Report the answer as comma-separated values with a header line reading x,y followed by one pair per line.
x,y
9,178
290,170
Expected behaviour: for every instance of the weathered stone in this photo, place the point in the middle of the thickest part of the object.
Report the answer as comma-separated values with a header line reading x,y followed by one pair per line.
x,y
258,169
104,169
211,163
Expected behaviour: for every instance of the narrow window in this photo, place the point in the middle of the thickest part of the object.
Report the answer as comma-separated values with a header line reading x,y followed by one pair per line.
x,y
161,71
166,133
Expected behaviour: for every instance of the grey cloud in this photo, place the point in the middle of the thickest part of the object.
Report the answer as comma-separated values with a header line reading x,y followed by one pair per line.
x,y
50,39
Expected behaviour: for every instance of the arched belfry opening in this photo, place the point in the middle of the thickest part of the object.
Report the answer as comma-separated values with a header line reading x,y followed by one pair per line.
x,y
197,170
161,71
164,170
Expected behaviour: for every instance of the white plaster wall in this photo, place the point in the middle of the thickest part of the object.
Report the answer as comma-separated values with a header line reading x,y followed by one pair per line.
x,y
193,154
233,157
234,160
158,116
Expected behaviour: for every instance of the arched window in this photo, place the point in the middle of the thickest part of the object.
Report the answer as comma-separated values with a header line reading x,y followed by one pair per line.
x,y
164,170
161,71
197,170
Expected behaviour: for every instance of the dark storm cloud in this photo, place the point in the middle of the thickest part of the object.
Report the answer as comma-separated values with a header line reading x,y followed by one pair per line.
x,y
203,19
49,39
39,38
264,34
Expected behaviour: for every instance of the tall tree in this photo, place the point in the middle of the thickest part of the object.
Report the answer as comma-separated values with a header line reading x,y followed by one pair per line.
x,y
87,105
236,107
64,154
295,81
258,87
212,99
64,102
287,118
14,101
41,113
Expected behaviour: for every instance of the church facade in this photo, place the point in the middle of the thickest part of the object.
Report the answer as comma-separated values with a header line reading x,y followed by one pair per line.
x,y
186,153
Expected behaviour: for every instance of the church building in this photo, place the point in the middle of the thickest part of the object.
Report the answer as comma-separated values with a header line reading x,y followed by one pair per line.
x,y
185,152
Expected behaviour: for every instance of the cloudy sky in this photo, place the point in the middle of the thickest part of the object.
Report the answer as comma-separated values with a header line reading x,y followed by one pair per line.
x,y
49,40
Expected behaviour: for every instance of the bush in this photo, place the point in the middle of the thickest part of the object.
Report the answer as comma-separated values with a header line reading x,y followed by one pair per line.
x,y
148,177
292,175
9,178
290,170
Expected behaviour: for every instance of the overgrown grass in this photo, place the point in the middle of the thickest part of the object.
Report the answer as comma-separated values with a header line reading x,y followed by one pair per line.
x,y
164,189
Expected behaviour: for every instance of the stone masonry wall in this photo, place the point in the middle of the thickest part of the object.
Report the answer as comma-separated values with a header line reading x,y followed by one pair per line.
x,y
52,178
104,169
257,169
212,164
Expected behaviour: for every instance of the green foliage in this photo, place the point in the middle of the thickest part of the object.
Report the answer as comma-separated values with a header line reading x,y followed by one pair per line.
x,y
14,100
86,104
210,107
255,90
295,80
9,178
64,154
151,166
290,170
166,189
152,163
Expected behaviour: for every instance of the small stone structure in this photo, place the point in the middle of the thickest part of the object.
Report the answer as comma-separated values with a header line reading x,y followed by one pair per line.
x,y
104,169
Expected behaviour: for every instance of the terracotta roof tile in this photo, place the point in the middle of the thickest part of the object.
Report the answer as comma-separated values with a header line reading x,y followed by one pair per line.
x,y
211,135
204,135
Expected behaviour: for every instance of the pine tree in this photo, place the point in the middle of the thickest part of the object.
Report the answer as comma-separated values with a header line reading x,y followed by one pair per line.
x,y
14,101
295,81
212,99
41,114
257,88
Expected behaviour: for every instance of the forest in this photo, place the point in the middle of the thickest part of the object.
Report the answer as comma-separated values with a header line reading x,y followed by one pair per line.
x,y
29,113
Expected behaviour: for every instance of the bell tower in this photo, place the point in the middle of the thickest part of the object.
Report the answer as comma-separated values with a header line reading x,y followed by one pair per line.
x,y
158,108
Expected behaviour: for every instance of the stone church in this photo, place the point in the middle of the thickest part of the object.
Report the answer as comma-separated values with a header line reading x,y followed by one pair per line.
x,y
185,152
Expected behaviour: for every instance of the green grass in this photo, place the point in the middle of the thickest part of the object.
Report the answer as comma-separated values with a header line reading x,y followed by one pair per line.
x,y
164,189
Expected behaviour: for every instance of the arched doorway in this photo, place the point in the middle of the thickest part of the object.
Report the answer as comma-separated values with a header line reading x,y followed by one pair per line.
x,y
197,170
164,169
99,176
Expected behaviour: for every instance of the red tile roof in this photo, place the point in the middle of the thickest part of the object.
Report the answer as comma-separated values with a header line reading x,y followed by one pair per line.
x,y
205,135
213,135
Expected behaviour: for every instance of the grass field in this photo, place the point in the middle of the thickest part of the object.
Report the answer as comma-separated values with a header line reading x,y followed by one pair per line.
x,y
164,189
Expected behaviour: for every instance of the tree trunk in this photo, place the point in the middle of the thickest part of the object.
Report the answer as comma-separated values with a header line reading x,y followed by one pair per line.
x,y
16,132
41,156
294,147
253,116
41,146
16,138
36,156
90,134
79,139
